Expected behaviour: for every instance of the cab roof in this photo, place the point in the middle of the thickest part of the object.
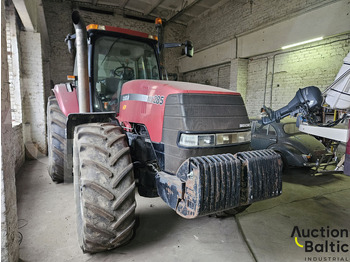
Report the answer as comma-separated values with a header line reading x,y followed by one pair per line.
x,y
121,30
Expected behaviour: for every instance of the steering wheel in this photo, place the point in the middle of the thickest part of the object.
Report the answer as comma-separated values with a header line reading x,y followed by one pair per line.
x,y
124,72
155,72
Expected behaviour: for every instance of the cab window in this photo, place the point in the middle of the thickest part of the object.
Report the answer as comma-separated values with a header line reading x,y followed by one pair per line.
x,y
116,61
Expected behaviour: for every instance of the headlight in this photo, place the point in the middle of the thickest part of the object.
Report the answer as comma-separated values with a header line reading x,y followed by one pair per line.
x,y
306,157
210,140
191,140
232,138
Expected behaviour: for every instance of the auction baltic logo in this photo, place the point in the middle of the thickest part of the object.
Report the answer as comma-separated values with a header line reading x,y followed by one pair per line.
x,y
323,240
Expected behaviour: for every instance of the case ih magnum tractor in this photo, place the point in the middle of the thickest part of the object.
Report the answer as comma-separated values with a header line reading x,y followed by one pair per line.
x,y
119,126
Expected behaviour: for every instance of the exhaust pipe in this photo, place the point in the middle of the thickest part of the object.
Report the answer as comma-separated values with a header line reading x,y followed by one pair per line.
x,y
82,63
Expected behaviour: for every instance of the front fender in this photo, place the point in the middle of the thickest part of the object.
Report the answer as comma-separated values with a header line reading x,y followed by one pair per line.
x,y
67,98
291,155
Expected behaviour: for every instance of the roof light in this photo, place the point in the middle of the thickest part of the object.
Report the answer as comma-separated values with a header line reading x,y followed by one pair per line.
x,y
71,77
94,26
153,37
303,43
158,21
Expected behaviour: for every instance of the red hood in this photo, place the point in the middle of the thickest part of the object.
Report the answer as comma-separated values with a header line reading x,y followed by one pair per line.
x,y
171,87
143,101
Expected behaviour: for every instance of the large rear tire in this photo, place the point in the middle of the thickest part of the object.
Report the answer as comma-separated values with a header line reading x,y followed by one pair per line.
x,y
104,187
56,140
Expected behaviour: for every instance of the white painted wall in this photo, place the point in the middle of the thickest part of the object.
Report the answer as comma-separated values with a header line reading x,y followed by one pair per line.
x,y
34,119
210,56
324,22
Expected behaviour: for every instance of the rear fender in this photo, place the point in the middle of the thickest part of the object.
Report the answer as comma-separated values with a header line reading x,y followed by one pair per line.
x,y
67,98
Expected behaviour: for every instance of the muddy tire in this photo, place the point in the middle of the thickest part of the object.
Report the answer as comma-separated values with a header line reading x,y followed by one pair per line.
x,y
104,187
56,140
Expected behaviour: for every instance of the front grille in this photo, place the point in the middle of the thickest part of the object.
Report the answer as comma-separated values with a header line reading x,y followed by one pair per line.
x,y
200,113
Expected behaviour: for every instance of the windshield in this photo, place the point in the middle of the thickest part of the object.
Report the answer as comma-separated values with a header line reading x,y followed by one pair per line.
x,y
290,128
116,61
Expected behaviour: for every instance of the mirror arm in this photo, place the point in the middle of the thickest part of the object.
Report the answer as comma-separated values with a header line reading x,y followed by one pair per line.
x,y
170,45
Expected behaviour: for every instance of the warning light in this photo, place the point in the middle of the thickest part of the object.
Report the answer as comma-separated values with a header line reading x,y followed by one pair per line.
x,y
158,21
72,78
153,37
94,26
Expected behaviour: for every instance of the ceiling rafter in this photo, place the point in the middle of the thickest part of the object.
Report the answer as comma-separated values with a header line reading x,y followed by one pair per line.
x,y
154,6
181,12
123,4
213,7
187,5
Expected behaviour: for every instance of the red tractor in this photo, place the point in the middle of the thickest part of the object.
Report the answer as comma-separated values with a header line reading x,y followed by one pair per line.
x,y
119,126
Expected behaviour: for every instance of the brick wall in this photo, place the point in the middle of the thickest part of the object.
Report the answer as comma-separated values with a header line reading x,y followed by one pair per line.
x,y
285,72
58,18
13,65
316,64
18,146
13,54
215,76
237,17
9,225
173,33
58,15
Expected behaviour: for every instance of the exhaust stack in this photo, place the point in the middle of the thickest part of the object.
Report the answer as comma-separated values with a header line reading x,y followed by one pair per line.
x,y
82,63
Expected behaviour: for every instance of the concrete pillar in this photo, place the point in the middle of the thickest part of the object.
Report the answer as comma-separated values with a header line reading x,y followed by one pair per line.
x,y
9,225
34,123
239,76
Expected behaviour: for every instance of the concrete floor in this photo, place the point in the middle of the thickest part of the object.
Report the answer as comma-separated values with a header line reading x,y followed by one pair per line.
x,y
46,216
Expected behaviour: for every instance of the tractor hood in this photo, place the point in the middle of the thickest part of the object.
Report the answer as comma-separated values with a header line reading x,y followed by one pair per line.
x,y
170,87
143,101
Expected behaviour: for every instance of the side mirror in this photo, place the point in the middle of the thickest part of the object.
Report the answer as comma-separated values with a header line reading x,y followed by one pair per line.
x,y
189,48
70,39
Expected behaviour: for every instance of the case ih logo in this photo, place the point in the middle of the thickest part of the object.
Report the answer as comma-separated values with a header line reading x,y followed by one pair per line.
x,y
156,99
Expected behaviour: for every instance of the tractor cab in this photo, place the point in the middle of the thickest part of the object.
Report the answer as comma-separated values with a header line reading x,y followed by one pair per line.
x,y
116,56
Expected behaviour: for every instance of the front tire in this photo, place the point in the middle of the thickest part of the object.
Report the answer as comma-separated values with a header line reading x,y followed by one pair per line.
x,y
104,187
56,140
